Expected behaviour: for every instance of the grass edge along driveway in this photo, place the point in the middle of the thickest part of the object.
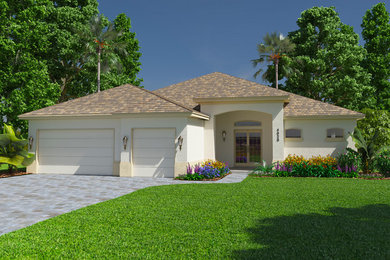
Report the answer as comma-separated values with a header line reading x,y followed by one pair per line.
x,y
257,218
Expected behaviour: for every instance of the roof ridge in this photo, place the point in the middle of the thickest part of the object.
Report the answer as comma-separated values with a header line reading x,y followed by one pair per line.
x,y
164,98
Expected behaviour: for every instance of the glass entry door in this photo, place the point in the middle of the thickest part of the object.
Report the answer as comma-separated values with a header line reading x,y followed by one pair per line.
x,y
247,147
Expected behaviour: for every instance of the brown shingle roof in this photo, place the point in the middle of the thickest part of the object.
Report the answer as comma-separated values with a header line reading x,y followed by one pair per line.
x,y
220,85
119,100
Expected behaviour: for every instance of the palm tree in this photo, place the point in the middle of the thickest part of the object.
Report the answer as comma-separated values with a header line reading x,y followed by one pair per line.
x,y
104,38
275,46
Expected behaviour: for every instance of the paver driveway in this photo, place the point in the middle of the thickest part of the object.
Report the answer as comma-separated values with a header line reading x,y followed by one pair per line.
x,y
28,199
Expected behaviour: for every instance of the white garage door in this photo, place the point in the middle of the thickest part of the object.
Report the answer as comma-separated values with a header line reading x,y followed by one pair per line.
x,y
153,152
76,151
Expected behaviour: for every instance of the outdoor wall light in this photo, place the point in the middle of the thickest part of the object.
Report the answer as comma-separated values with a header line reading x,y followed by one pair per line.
x,y
124,140
30,142
224,135
180,141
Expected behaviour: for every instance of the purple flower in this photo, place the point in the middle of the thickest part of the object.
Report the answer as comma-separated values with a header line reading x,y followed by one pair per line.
x,y
339,168
196,168
189,169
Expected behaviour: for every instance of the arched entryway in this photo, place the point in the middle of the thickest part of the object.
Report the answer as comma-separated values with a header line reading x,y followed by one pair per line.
x,y
243,138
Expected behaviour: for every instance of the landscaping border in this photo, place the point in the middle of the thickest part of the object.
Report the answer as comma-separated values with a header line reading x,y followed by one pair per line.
x,y
215,179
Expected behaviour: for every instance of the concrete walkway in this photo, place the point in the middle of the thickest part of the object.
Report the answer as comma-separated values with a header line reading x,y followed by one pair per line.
x,y
28,199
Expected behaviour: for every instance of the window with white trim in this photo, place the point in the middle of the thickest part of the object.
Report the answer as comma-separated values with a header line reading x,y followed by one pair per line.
x,y
335,133
293,133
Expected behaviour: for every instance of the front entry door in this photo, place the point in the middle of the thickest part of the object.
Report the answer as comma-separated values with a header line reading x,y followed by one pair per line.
x,y
247,147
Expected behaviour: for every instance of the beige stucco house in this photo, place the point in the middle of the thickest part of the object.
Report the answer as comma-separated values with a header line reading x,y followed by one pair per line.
x,y
128,131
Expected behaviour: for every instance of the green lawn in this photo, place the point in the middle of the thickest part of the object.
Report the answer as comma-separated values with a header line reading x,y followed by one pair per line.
x,y
302,218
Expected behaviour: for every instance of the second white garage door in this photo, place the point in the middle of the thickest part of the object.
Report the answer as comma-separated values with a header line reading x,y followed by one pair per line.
x,y
153,152
76,151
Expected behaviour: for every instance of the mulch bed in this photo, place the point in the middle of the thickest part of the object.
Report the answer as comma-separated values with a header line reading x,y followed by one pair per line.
x,y
215,179
7,175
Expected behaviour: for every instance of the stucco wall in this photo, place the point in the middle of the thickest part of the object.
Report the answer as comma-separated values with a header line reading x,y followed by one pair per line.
x,y
314,141
195,140
274,109
225,122
122,127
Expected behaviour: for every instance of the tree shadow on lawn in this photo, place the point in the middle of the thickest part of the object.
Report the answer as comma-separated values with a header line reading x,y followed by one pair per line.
x,y
345,233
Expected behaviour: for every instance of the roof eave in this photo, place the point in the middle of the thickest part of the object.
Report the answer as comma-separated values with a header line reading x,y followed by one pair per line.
x,y
284,98
115,115
356,117
200,115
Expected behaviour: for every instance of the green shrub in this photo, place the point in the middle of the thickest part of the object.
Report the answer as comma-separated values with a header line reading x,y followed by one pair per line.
x,y
375,121
13,150
383,163
349,158
307,169
262,169
367,150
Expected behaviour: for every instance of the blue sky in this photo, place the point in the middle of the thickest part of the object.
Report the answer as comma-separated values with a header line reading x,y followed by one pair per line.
x,y
183,39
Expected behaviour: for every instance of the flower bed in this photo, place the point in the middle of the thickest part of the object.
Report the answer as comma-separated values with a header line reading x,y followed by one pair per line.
x,y
383,163
208,170
298,166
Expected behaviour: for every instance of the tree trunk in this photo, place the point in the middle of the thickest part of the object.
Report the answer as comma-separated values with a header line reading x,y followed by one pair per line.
x,y
277,73
98,70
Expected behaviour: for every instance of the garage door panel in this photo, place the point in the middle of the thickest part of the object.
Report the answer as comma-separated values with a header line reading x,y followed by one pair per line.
x,y
69,152
153,143
154,152
76,151
75,160
154,133
75,169
154,172
66,143
153,162
76,134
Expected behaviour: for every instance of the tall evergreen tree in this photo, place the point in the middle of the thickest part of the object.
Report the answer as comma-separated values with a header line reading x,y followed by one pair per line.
x,y
25,83
131,65
43,59
376,33
326,62
66,54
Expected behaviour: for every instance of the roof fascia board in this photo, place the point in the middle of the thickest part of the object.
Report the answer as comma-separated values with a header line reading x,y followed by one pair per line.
x,y
242,99
116,116
325,117
200,116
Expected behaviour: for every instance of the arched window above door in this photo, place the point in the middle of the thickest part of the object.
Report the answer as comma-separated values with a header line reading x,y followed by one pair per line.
x,y
247,123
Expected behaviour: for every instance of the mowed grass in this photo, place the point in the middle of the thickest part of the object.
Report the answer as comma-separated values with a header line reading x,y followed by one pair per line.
x,y
278,218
